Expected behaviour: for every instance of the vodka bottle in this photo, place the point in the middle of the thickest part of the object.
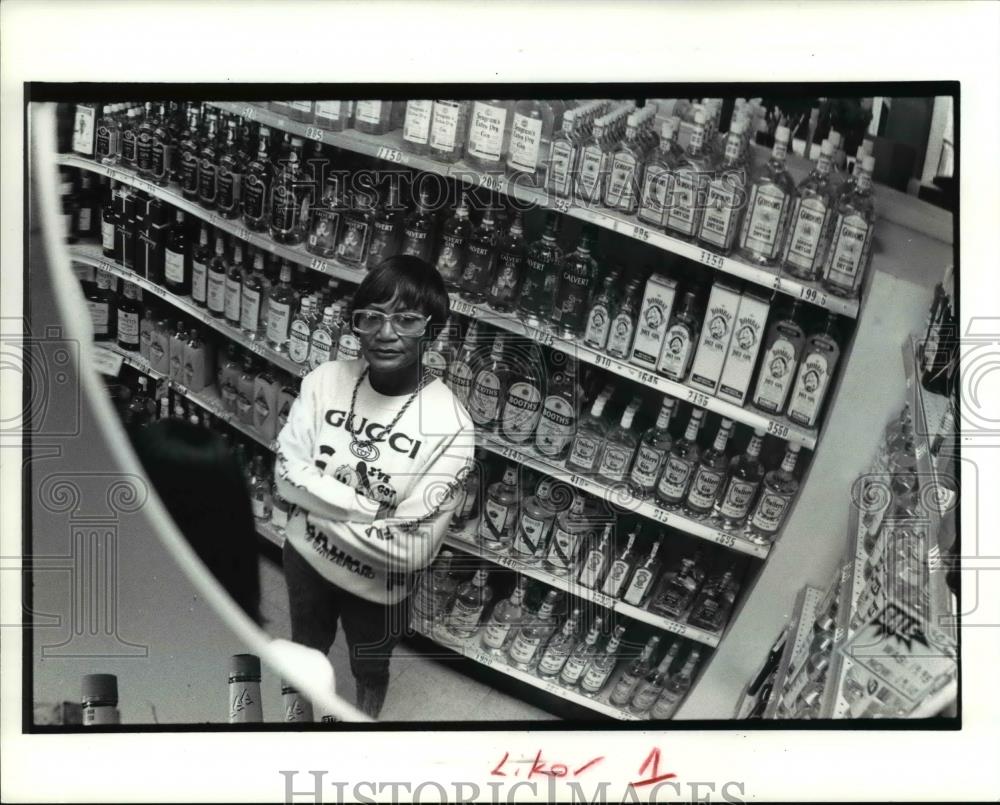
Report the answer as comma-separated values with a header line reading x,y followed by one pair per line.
x,y
693,171
489,388
647,691
715,602
651,454
710,474
782,349
434,592
851,236
641,584
599,318
590,435
619,448
507,617
464,368
563,156
815,376
557,419
218,269
658,179
567,534
534,525
530,138
599,669
454,239
596,560
778,491
625,170
742,483
673,483
467,610
489,134
559,647
526,646
496,528
542,265
808,228
584,651
675,689
726,196
234,285
769,204
511,254
480,260
678,587
634,672
620,569
622,330
579,271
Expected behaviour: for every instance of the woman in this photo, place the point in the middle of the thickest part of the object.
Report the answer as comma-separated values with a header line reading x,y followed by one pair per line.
x,y
373,454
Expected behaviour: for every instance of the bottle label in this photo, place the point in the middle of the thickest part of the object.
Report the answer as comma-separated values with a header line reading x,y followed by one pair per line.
x,y
444,127
556,426
590,178
810,389
484,400
496,634
523,649
640,584
674,481
678,349
705,488
368,112
216,292
620,335
278,314
848,251
525,143
353,240
163,153
255,191
584,452
250,310
103,147
595,677
736,502
521,411
622,690
460,380
809,218
233,288
494,525
349,347
173,267
574,667
765,215
462,614
417,124
614,462
682,214
657,193
189,170
530,535
621,181
207,176
449,262
83,220
647,466
229,189
144,151
718,224
598,326
108,236
328,110
552,660
323,233
435,363
298,342
486,131
770,512
615,578
199,281
592,566
128,327
99,316
776,375
560,163
321,348
644,697
562,549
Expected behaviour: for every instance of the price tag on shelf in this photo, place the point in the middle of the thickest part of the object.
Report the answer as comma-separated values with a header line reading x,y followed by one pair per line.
x,y
711,259
673,627
562,205
493,181
543,337
698,398
462,307
314,133
777,429
554,689
505,561
602,360
640,232
722,538
317,264
814,295
107,362
243,233
603,600
661,515
249,112
391,154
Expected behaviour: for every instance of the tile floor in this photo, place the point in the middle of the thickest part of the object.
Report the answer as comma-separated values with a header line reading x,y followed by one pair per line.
x,y
421,688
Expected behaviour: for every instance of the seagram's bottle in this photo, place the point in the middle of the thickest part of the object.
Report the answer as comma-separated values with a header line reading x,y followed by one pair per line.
x,y
579,270
530,136
489,134
693,171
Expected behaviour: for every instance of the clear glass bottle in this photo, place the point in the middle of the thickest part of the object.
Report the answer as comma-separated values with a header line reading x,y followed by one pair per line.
x,y
633,672
641,584
511,255
334,115
647,691
561,168
449,130
782,349
777,492
324,220
496,528
438,356
599,317
419,229
809,222
577,276
599,669
279,309
619,448
260,490
300,333
593,165
675,689
257,179
596,559
525,648
692,173
434,593
742,484
815,375
489,388
558,415
534,525
715,602
710,474
290,193
772,192
522,401
455,235
583,652
505,620
559,647
530,140
417,126
657,190
463,369
726,199
372,117
851,236
625,170
620,568
542,265
673,483
651,453
323,341
471,599
387,227
622,330
680,339
571,525
590,435
480,260
489,134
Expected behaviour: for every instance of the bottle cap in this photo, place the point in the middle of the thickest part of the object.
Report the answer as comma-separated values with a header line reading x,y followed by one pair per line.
x,y
667,129
244,665
782,133
100,688
699,117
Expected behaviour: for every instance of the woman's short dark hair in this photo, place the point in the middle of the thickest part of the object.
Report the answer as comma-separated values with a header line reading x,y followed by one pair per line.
x,y
418,283
203,488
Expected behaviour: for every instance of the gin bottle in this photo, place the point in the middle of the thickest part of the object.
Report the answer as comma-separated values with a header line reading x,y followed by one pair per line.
x,y
584,651
525,647
653,448
557,418
510,268
715,602
726,195
693,171
590,435
489,134
595,560
449,128
467,610
454,240
675,689
782,349
559,647
625,170
672,485
463,369
300,333
742,482
489,388
534,525
622,330
599,318
419,229
542,264
579,270
522,401
530,138
594,163
387,227
496,528
480,260
808,228
417,126
778,491
567,534
635,671
507,616
710,474
620,569
279,310
619,448
599,669
678,587
657,191
563,157
440,354
372,117
647,691
334,115
641,584
851,236
768,206
819,360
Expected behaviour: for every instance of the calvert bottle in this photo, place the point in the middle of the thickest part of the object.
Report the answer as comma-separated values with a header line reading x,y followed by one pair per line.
x,y
558,415
590,436
768,207
742,482
672,485
480,260
726,196
559,647
489,134
782,350
496,528
356,229
530,137
467,609
651,455
454,238
534,525
710,474
418,231
675,688
599,669
230,175
526,646
325,217
851,236
635,671
542,264
509,269
506,617
657,190
809,223
819,360
489,388
176,261
387,227
580,657
692,172
579,271
289,194
257,185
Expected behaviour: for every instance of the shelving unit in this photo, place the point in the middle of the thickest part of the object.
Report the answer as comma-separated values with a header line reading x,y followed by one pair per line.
x,y
796,644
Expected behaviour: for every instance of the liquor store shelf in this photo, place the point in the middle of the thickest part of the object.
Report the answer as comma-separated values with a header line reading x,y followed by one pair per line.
x,y
234,227
466,543
388,147
92,255
777,426
799,633
622,498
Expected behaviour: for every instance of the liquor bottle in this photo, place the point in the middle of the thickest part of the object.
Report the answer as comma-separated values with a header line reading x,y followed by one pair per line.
x,y
777,492
596,560
279,309
198,370
108,224
680,339
464,368
522,398
672,485
228,377
302,111
208,167
159,345
726,196
470,601
599,318
229,175
85,223
440,354
417,126
244,690
651,454
571,525
323,340
530,136
808,227
177,260
496,528
435,591
467,511
480,260
107,142
534,524
559,647
147,324
289,196
334,115
454,238
622,329
489,388
387,227
449,129
581,655
218,268
128,314
510,268
419,229
561,168
188,149
526,646
557,417
710,474
782,350
590,435
257,185
506,618
619,448
742,483
625,170
641,584
676,591
633,673
141,408
658,179
599,669
692,172
620,568
99,700
815,375
300,333
244,391
253,297
769,203
162,148
234,285
648,688
577,275
542,263
372,117
178,341
266,388
489,134
715,602
851,236
200,260
593,164
130,131
260,490
675,688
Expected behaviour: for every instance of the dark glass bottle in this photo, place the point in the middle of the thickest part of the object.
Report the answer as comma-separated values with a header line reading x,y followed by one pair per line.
x,y
577,277
454,239
510,268
480,261
289,196
324,221
230,175
144,142
419,230
542,261
163,148
177,259
188,162
257,184
355,231
387,227
208,168
128,316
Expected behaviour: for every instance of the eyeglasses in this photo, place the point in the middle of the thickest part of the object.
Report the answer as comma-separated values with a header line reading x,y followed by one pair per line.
x,y
404,323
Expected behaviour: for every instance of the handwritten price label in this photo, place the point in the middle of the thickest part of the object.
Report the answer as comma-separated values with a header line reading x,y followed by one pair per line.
x,y
461,307
697,398
319,265
673,626
562,205
314,133
711,259
640,232
777,429
391,154
724,539
603,600
815,296
492,181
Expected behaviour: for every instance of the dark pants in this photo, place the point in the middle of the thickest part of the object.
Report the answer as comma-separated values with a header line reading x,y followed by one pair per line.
x,y
372,630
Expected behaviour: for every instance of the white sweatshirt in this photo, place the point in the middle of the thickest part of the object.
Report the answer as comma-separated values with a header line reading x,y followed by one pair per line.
x,y
368,519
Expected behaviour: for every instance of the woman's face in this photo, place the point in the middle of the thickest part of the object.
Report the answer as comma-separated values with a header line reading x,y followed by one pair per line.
x,y
384,349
